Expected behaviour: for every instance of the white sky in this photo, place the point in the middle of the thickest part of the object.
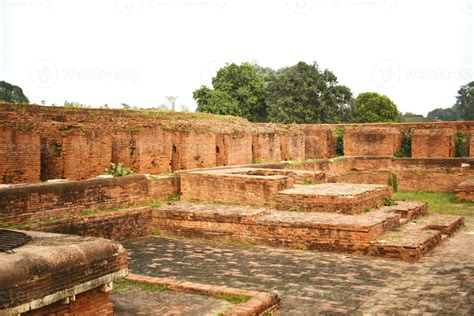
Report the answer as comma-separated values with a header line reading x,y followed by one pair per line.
x,y
417,52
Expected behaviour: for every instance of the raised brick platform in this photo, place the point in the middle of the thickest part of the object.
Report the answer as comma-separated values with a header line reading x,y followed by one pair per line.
x,y
465,191
313,230
332,197
52,268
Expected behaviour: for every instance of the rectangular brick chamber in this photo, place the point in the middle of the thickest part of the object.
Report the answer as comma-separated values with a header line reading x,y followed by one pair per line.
x,y
332,197
222,185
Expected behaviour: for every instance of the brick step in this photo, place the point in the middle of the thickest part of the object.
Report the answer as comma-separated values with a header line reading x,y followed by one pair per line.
x,y
416,238
345,198
305,230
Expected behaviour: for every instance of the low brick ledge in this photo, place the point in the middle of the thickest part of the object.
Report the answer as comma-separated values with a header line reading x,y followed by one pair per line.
x,y
65,294
258,304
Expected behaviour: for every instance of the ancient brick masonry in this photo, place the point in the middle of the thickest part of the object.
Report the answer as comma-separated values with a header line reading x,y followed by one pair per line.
x,y
36,201
53,268
371,141
433,143
19,156
319,142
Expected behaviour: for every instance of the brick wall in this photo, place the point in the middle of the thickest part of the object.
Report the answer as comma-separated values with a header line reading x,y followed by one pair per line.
x,y
319,142
86,156
371,141
266,147
191,150
233,149
433,143
90,303
36,201
116,225
154,151
19,157
292,145
231,189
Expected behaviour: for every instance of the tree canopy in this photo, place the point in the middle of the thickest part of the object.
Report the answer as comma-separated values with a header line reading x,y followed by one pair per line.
x,y
305,94
370,107
237,90
11,93
463,109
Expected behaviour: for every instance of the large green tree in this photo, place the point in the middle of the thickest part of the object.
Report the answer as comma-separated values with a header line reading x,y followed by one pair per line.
x,y
305,94
11,93
237,90
465,102
370,107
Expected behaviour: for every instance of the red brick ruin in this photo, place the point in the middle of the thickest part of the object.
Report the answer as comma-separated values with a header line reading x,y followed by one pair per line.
x,y
271,184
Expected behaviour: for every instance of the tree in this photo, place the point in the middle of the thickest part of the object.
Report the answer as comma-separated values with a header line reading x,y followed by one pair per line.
x,y
370,107
439,114
237,90
11,93
305,94
465,102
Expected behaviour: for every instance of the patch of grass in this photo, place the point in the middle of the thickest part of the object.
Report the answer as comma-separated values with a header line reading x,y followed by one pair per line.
x,y
307,181
234,299
124,285
438,202
240,242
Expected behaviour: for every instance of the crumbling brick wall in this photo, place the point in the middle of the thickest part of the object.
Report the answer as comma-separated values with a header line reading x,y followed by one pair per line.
x,y
319,142
86,155
292,145
52,159
233,149
37,201
433,143
191,150
371,141
266,147
154,147
19,156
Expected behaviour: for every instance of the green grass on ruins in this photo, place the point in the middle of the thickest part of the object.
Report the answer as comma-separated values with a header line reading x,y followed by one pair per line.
x,y
124,285
438,202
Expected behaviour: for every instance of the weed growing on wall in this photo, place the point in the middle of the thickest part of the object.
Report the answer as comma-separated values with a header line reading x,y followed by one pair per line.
x,y
118,170
462,145
338,135
393,181
405,147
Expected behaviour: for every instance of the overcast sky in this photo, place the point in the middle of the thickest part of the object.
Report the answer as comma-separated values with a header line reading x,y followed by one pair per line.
x,y
417,52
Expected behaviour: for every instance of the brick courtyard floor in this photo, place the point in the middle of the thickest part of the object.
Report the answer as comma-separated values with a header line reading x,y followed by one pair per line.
x,y
166,303
309,283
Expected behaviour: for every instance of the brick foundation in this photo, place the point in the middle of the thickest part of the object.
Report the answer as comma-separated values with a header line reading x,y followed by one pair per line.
x,y
94,303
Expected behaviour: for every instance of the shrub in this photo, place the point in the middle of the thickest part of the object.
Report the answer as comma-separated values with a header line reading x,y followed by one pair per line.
x,y
462,145
118,170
